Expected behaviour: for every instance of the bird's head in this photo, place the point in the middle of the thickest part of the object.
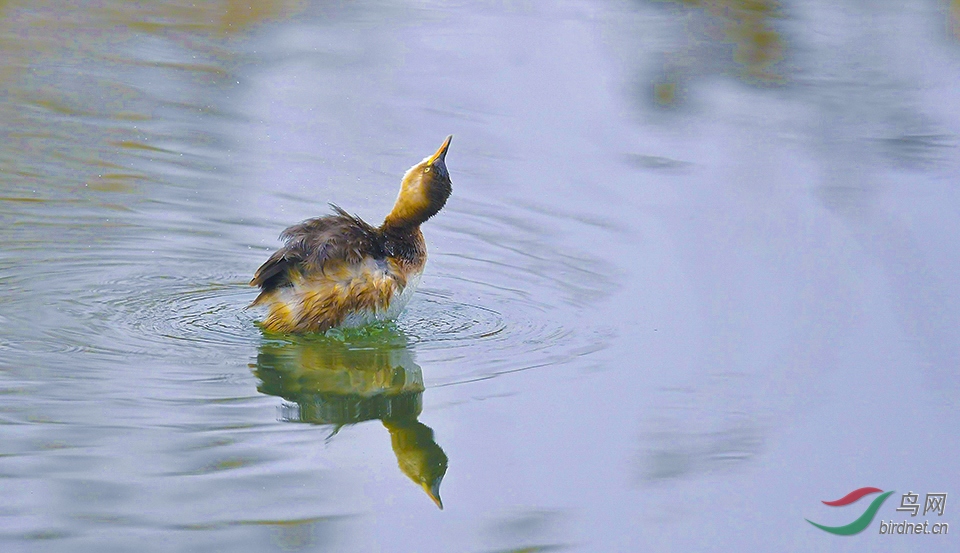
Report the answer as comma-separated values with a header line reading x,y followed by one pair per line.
x,y
423,191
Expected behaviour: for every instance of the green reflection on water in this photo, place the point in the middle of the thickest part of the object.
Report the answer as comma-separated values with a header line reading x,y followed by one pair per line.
x,y
344,378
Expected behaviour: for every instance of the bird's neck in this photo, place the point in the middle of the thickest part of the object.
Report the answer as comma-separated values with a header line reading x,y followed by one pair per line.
x,y
407,214
403,242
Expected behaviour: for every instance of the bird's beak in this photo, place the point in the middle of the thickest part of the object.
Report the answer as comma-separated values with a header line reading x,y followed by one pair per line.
x,y
441,153
434,490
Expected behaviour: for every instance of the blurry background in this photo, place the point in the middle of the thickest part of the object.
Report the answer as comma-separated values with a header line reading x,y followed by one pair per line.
x,y
698,274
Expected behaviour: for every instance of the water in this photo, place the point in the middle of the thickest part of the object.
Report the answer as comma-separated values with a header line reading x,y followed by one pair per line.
x,y
697,274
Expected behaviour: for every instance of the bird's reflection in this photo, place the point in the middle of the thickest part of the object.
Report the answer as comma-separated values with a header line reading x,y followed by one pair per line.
x,y
353,377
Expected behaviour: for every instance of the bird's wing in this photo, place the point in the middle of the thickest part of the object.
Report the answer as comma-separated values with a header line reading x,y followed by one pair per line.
x,y
315,242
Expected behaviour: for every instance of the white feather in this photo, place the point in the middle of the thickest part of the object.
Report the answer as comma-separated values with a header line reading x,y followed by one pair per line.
x,y
400,300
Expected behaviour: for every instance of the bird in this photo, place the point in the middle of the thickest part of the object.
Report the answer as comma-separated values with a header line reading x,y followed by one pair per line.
x,y
338,271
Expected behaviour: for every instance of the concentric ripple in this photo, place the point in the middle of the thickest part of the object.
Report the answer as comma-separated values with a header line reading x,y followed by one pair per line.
x,y
488,307
154,314
436,320
204,310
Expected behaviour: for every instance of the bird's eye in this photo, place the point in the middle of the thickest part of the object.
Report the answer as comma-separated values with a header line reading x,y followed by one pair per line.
x,y
426,169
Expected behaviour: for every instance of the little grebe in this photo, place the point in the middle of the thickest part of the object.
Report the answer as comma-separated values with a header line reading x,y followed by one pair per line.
x,y
338,271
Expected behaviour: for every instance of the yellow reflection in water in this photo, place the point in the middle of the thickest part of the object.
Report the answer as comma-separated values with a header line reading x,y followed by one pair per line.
x,y
361,375
222,17
70,96
954,18
748,25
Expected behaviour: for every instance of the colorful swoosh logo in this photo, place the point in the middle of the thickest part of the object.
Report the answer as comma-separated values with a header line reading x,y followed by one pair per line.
x,y
852,497
865,519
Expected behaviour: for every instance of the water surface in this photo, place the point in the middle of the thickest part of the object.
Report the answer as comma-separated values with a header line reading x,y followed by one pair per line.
x,y
698,274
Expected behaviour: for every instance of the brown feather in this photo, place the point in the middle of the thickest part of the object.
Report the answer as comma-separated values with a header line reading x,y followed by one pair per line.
x,y
314,242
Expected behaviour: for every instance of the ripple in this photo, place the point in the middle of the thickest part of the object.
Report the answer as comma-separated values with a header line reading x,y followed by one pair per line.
x,y
201,311
505,296
439,323
201,317
500,296
198,312
436,321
